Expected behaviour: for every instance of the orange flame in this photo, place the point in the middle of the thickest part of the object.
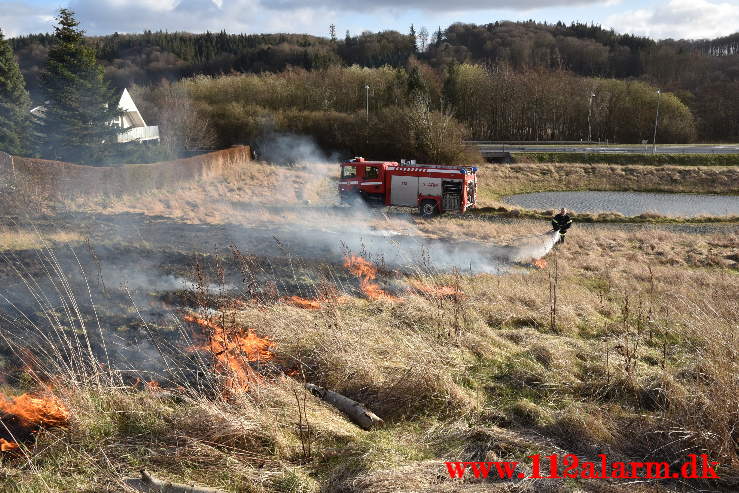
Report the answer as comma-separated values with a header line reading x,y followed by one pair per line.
x,y
303,303
6,446
32,413
237,304
316,303
233,350
435,291
151,384
366,272
36,411
540,263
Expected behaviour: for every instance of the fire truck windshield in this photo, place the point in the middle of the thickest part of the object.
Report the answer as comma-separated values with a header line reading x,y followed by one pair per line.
x,y
348,171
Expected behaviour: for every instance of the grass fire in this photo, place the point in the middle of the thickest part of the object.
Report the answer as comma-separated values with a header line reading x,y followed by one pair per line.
x,y
234,351
435,291
26,414
498,258
225,336
303,303
366,272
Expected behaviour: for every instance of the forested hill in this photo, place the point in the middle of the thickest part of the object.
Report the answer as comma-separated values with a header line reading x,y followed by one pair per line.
x,y
153,56
584,49
704,74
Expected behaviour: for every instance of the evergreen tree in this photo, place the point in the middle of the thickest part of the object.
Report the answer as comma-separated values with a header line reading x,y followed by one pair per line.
x,y
450,90
439,36
416,85
412,34
80,109
14,103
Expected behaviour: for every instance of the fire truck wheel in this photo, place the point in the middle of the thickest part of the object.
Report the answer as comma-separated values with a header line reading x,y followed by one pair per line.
x,y
428,208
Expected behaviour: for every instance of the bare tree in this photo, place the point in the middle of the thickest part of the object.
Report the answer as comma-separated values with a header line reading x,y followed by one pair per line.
x,y
181,127
423,38
437,136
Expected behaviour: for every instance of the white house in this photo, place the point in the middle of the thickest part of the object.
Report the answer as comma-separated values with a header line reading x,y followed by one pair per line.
x,y
132,124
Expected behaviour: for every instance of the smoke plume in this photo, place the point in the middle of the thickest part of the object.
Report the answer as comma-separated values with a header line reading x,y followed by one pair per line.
x,y
288,149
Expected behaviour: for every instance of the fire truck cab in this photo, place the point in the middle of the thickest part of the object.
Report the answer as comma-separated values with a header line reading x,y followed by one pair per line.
x,y
434,189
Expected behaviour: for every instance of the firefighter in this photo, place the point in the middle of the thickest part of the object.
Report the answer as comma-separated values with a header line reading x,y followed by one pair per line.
x,y
562,222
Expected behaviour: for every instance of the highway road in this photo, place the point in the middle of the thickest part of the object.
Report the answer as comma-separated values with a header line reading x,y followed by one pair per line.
x,y
489,148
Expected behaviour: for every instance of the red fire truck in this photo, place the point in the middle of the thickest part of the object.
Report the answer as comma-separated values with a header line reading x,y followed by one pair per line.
x,y
432,188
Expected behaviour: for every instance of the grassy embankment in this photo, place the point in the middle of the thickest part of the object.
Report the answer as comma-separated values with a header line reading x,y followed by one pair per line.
x,y
498,180
37,186
641,363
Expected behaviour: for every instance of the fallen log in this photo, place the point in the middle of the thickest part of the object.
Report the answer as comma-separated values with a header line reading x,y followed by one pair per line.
x,y
149,484
357,412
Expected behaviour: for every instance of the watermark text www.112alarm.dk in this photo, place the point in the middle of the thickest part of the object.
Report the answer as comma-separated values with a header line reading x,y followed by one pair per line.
x,y
571,466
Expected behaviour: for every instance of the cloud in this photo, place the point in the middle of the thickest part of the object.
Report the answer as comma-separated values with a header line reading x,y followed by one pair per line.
x,y
18,18
679,19
669,18
249,16
429,5
299,20
107,16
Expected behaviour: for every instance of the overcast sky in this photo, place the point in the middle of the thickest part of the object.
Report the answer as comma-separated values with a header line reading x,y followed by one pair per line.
x,y
655,18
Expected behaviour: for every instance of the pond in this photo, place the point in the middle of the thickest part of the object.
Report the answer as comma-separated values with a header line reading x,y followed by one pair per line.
x,y
631,203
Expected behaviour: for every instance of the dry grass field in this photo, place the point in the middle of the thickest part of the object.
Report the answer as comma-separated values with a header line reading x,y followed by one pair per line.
x,y
624,343
41,186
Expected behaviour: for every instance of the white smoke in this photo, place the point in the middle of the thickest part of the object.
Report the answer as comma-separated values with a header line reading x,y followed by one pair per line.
x,y
534,247
469,256
288,149
329,234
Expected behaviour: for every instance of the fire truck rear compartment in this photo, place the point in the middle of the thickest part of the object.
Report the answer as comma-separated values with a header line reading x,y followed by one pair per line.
x,y
451,195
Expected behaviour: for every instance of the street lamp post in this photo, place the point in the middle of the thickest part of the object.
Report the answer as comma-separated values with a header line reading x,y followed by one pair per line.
x,y
366,89
590,112
656,118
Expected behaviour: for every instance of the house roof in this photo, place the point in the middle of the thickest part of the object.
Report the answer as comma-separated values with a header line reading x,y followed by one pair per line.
x,y
126,104
38,110
129,108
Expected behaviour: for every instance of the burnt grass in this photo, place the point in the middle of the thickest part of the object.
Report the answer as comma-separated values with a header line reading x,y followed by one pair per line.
x,y
132,280
474,378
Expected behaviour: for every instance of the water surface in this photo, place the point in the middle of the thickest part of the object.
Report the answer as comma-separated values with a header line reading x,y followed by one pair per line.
x,y
631,203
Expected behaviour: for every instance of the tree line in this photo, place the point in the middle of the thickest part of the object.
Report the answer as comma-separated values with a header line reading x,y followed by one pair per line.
x,y
152,56
499,81
585,49
415,112
544,105
703,74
